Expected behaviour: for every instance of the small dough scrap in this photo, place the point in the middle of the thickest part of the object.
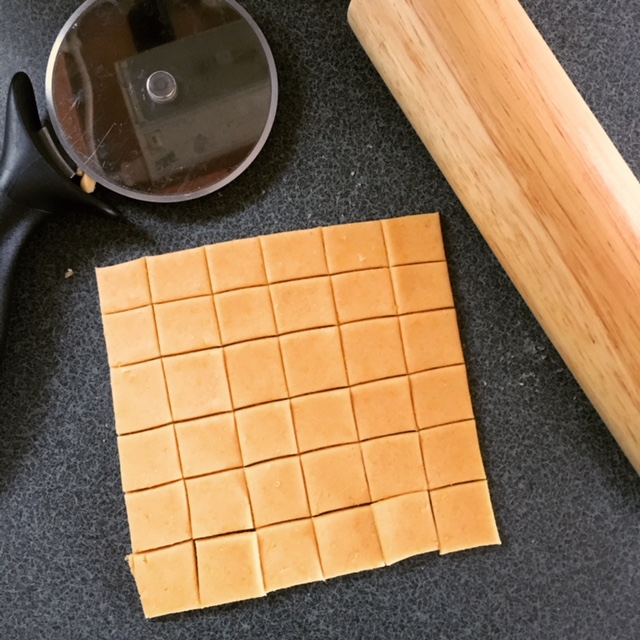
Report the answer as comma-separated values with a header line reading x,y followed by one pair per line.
x,y
289,555
197,384
245,314
414,239
303,304
422,287
373,350
140,397
266,432
335,478
277,491
405,526
236,264
313,361
350,247
179,275
187,325
441,396
149,459
324,420
383,407
364,294
294,255
394,465
452,454
229,569
166,579
219,503
431,340
348,541
158,517
255,372
123,286
208,445
464,517
131,336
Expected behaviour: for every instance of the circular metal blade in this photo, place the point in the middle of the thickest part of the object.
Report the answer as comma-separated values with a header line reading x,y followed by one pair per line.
x,y
162,100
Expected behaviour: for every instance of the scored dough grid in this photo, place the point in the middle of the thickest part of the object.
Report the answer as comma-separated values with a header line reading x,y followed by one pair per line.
x,y
291,408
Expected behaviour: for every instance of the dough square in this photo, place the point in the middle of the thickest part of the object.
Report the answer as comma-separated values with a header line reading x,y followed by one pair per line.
x,y
255,372
277,491
197,384
149,459
373,350
208,445
452,454
236,264
313,361
266,432
405,526
123,286
179,275
348,541
431,340
187,325
422,287
229,569
361,295
294,255
303,304
166,579
140,397
289,555
414,239
245,314
130,336
324,420
335,478
394,465
383,407
350,247
441,396
219,503
158,517
464,517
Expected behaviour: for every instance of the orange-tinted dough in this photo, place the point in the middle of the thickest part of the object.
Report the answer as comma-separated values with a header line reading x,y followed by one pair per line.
x,y
422,287
197,384
175,276
348,541
405,526
149,459
394,465
294,255
266,432
303,304
414,239
464,517
335,478
452,454
219,503
289,554
373,350
350,247
441,396
245,314
187,325
229,569
236,264
158,517
140,397
364,294
324,419
277,491
123,286
383,407
119,331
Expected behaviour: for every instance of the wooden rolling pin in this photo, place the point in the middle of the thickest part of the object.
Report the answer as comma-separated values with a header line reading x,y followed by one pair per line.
x,y
535,170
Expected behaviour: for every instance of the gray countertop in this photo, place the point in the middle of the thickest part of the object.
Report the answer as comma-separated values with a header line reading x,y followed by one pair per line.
x,y
567,501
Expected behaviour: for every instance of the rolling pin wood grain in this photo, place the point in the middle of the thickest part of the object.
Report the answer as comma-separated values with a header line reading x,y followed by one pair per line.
x,y
535,170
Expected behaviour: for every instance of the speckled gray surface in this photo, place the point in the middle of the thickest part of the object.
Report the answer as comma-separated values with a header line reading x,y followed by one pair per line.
x,y
567,502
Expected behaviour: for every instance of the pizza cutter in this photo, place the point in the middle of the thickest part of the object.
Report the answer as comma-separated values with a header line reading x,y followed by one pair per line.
x,y
157,100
